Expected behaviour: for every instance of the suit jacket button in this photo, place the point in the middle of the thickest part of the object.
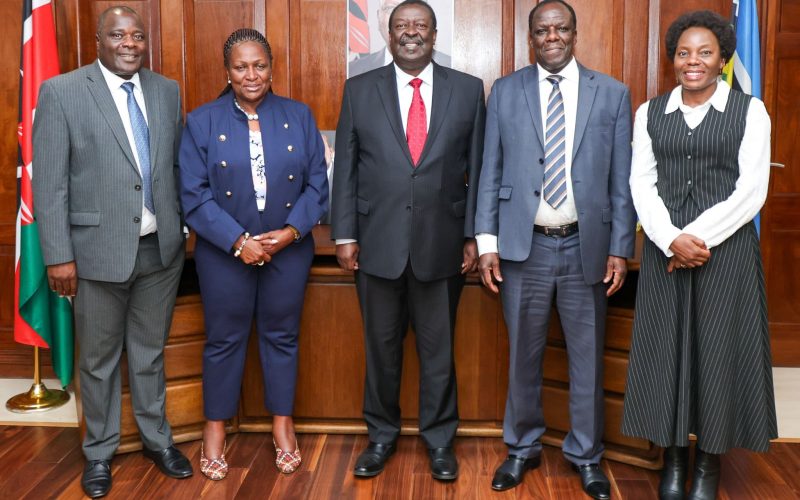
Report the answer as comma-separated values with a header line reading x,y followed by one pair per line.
x,y
290,148
288,205
136,220
223,164
291,177
228,194
536,193
137,187
541,161
222,138
408,207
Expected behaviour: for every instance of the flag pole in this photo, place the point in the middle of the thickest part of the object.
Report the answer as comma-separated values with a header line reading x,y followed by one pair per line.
x,y
39,397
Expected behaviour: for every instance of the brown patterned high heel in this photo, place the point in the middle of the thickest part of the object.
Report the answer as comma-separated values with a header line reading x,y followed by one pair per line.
x,y
216,468
287,461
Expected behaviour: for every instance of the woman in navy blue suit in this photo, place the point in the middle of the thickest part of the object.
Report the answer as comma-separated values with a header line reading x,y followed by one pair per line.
x,y
253,185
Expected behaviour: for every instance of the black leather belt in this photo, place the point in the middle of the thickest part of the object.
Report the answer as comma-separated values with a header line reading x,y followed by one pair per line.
x,y
560,231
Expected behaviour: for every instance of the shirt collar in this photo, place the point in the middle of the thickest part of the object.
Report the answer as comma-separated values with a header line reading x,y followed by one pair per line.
x,y
569,72
403,78
114,82
719,99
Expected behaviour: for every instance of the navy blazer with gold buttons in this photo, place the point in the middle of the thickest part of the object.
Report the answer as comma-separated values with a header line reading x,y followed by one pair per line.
x,y
217,191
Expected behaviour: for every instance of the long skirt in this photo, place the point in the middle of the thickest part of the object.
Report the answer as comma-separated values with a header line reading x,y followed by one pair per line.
x,y
700,357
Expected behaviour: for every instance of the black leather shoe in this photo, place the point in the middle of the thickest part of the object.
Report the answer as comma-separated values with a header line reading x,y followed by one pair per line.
x,y
171,461
444,465
373,459
96,480
673,475
594,481
706,476
511,472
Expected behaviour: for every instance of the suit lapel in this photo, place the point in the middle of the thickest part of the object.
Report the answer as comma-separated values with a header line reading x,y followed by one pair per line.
x,y
105,103
152,101
530,81
442,90
587,88
387,89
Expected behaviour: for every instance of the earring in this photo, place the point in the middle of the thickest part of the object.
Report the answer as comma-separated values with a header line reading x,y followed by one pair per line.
x,y
229,81
270,79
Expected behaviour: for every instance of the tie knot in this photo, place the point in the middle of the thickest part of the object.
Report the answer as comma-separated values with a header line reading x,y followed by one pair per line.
x,y
127,87
555,79
416,83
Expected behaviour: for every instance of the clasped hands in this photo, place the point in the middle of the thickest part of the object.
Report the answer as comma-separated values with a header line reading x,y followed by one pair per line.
x,y
689,252
260,248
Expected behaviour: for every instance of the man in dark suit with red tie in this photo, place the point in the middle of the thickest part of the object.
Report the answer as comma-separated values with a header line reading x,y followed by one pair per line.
x,y
408,153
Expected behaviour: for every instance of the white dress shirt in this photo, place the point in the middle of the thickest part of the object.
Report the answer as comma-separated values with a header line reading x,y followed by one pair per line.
x,y
719,222
120,96
405,93
566,213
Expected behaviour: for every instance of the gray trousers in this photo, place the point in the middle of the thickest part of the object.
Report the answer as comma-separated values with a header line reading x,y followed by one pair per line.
x,y
135,314
553,274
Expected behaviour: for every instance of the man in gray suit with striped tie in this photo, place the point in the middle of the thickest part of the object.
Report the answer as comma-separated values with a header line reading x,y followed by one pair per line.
x,y
105,145
555,212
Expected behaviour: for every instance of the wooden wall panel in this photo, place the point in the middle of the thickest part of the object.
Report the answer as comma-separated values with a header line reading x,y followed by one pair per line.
x,y
317,51
208,23
478,31
11,27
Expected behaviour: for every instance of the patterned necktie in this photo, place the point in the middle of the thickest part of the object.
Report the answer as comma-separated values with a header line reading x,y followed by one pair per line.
x,y
555,176
141,135
417,125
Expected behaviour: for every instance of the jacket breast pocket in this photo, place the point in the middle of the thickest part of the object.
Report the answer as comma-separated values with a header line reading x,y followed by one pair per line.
x,y
459,208
84,218
362,206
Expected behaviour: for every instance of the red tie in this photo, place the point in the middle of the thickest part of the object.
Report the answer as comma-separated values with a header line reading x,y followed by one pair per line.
x,y
417,126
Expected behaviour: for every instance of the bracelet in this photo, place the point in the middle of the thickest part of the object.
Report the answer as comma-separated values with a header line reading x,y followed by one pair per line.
x,y
238,251
294,231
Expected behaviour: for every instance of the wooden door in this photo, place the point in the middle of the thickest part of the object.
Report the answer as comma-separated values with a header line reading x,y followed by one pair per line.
x,y
780,223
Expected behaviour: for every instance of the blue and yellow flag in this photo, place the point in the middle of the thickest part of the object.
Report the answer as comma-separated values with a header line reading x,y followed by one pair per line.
x,y
743,71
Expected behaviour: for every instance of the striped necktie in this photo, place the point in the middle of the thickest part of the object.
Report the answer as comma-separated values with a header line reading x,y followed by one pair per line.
x,y
141,136
555,175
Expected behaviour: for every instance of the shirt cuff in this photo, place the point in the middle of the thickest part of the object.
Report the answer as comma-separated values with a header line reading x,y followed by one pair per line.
x,y
345,241
487,243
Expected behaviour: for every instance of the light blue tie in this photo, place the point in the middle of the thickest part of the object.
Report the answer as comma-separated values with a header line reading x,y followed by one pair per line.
x,y
141,135
555,175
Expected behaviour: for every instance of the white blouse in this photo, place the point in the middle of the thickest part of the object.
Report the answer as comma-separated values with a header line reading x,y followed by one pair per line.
x,y
258,168
719,222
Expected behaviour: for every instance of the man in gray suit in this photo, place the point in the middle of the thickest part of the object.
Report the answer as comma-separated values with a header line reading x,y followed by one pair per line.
x,y
105,145
555,212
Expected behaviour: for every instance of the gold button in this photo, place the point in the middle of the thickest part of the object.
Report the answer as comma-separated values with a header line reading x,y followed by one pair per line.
x,y
290,148
222,137
223,164
285,125
288,205
291,177
228,194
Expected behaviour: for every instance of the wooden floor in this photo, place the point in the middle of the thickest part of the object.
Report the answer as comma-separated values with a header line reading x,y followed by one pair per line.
x,y
46,462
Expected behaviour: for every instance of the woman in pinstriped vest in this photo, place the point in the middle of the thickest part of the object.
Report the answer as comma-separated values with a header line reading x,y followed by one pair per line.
x,y
700,360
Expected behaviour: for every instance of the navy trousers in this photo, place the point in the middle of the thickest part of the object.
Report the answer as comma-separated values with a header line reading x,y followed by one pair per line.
x,y
234,295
